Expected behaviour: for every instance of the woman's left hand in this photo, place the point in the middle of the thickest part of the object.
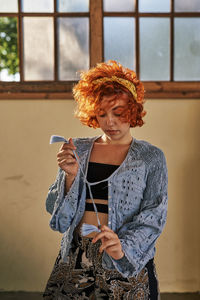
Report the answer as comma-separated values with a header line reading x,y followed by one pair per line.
x,y
110,242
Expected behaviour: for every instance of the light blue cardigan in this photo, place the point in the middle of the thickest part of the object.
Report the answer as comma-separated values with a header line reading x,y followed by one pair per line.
x,y
137,204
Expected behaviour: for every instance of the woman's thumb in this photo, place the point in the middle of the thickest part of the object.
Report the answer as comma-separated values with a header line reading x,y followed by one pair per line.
x,y
71,142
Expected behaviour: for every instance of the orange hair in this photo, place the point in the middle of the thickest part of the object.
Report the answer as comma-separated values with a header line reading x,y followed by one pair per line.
x,y
88,93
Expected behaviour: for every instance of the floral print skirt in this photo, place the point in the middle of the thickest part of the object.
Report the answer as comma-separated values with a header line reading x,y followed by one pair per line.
x,y
83,277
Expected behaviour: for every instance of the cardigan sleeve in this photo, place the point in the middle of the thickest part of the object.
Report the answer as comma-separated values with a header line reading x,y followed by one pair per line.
x,y
53,193
138,237
61,206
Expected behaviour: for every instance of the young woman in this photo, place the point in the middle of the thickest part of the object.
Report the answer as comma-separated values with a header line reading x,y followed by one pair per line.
x,y
114,182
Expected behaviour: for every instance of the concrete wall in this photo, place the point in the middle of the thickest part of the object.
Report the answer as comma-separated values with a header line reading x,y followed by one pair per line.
x,y
28,247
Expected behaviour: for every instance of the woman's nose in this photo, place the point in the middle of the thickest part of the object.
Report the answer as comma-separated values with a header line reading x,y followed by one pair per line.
x,y
110,120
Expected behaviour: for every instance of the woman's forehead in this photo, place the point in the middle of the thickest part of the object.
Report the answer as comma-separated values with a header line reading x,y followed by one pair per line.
x,y
113,101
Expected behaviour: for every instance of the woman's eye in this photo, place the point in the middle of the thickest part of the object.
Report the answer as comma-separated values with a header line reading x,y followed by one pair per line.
x,y
117,115
102,115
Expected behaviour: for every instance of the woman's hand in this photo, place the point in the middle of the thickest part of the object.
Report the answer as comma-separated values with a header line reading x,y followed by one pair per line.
x,y
66,159
110,242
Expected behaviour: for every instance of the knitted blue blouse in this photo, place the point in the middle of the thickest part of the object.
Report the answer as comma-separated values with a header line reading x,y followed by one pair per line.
x,y
137,204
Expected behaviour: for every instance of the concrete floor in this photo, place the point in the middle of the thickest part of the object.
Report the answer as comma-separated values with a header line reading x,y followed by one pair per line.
x,y
38,296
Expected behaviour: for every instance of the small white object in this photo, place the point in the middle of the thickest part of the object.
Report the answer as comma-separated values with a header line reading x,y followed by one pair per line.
x,y
57,139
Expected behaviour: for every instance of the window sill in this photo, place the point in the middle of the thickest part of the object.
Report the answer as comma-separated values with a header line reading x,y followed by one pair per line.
x,y
63,90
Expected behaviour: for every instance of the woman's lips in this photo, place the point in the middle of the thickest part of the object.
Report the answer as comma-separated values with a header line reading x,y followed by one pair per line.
x,y
112,131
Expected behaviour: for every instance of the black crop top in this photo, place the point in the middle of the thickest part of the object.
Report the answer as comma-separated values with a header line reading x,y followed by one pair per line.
x,y
98,172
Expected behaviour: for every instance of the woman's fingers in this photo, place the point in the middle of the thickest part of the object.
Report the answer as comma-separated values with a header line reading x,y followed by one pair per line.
x,y
115,251
69,145
66,159
65,153
103,234
65,156
108,244
106,228
112,247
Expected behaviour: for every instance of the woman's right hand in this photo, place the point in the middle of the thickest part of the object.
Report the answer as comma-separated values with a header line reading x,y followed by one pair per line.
x,y
66,159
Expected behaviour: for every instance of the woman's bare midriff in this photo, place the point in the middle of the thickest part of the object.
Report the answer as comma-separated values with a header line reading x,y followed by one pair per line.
x,y
89,217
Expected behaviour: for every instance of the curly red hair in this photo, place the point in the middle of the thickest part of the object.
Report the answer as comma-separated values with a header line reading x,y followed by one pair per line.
x,y
88,94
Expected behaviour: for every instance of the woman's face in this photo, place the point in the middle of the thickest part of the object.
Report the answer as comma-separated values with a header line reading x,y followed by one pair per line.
x,y
108,117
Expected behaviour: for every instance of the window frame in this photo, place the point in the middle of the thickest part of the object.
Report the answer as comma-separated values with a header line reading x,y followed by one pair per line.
x,y
63,89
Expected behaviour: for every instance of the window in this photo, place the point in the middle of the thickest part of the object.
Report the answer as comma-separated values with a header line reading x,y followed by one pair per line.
x,y
44,43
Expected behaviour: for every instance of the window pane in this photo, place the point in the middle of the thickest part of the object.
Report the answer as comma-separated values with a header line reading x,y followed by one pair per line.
x,y
37,6
192,5
8,6
73,36
187,49
73,6
154,48
154,5
119,40
119,5
9,61
38,48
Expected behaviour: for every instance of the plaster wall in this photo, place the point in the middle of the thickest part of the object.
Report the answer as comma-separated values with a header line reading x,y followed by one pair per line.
x,y
28,247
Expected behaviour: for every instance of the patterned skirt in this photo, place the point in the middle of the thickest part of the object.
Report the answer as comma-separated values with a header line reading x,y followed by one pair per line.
x,y
83,277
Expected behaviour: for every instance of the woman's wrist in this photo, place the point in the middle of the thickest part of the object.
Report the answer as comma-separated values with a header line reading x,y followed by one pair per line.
x,y
69,176
121,255
69,179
